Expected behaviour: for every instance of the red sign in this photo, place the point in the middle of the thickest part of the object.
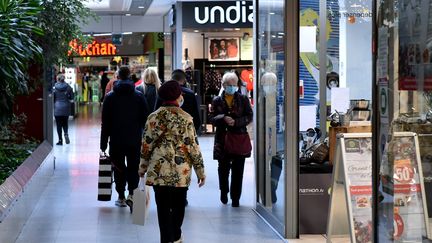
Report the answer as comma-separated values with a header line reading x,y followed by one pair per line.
x,y
92,49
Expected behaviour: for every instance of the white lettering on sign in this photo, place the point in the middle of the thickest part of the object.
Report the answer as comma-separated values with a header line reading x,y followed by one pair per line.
x,y
240,12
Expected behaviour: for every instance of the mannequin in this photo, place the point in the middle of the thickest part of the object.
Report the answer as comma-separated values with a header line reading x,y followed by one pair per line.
x,y
269,88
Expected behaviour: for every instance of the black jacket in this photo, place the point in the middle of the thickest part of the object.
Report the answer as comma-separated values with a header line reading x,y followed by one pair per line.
x,y
150,94
190,105
124,114
241,112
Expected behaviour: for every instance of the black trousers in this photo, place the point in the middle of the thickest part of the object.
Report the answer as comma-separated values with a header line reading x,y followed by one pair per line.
x,y
236,165
125,173
171,205
61,123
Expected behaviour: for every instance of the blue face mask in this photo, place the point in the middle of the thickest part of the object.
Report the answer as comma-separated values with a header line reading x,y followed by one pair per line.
x,y
230,89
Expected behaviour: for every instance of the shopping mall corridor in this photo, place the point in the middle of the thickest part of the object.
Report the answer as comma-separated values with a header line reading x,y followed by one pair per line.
x,y
68,210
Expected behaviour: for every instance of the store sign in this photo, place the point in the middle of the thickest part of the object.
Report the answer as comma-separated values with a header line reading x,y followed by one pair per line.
x,y
93,49
229,14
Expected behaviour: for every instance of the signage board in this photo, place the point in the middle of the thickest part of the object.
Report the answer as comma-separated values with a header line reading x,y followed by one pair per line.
x,y
93,49
352,181
209,14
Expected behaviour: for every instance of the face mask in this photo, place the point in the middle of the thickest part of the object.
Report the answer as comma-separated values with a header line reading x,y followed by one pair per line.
x,y
268,89
181,102
231,89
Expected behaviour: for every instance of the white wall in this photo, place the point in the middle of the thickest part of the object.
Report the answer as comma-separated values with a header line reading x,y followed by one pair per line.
x,y
118,24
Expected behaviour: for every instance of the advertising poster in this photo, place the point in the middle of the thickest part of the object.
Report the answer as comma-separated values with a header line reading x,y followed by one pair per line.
x,y
358,169
246,49
409,224
223,49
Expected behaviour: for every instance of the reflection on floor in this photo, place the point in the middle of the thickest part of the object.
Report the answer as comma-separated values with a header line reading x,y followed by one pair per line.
x,y
69,212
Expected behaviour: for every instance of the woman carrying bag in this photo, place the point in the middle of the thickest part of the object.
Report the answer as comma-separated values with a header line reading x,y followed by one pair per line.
x,y
231,113
169,151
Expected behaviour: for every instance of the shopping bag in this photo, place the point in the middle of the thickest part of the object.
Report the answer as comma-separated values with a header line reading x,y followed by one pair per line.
x,y
105,178
141,201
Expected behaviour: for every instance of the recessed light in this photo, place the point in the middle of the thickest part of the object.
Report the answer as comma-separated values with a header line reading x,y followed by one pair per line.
x,y
141,7
237,28
128,14
271,13
196,31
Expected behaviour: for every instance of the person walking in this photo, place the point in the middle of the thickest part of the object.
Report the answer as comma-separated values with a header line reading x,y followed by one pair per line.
x,y
169,151
124,113
149,87
104,83
190,104
63,97
231,111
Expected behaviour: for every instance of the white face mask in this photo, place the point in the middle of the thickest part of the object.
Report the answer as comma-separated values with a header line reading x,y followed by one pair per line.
x,y
268,89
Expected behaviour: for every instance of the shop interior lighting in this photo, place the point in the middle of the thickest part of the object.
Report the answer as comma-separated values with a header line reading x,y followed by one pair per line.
x,y
141,7
271,13
102,34
196,31
128,14
281,33
237,28
127,33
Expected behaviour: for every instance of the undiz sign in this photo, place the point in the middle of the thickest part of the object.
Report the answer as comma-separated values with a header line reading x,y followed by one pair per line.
x,y
228,14
93,49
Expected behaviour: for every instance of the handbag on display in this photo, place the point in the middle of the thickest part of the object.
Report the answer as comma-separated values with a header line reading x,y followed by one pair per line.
x,y
105,178
141,201
238,144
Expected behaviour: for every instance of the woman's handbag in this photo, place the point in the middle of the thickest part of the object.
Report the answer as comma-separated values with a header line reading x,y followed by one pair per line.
x,y
105,178
141,201
238,144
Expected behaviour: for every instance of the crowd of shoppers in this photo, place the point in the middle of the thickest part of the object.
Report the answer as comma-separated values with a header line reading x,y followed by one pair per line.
x,y
152,129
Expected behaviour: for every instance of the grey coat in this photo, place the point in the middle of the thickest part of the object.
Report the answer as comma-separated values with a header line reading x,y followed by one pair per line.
x,y
63,96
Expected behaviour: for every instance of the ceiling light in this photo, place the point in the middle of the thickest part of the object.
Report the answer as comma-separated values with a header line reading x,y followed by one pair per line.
x,y
127,33
271,13
103,34
141,7
196,31
128,14
237,28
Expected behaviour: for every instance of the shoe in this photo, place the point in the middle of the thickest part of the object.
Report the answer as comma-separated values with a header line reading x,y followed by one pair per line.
x,y
129,202
235,204
179,240
67,139
59,143
121,202
224,197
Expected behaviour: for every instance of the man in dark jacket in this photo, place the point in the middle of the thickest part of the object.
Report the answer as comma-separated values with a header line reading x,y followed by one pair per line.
x,y
124,114
190,104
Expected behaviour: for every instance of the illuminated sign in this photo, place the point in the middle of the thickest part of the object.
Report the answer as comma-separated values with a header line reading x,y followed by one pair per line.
x,y
93,49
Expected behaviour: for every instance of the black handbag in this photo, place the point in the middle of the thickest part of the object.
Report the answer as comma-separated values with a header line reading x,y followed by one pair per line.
x,y
105,178
238,144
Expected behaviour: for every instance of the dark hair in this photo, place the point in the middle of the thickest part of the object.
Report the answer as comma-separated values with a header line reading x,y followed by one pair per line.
x,y
124,73
178,75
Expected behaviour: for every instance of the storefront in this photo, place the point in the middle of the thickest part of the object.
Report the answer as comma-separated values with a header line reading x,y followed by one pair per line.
x,y
208,39
301,108
105,54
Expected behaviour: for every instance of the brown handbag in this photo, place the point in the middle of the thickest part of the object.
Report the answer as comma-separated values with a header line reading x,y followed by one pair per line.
x,y
238,144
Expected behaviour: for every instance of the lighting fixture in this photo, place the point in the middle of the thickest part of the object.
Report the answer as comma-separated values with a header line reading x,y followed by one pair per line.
x,y
196,31
141,7
128,14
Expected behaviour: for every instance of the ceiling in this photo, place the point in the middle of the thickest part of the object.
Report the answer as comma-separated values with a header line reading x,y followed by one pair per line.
x,y
130,7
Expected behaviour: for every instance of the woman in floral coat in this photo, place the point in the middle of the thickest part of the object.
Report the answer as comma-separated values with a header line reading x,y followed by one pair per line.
x,y
231,111
169,151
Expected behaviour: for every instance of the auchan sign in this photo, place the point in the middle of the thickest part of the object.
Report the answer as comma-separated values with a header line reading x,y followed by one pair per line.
x,y
93,49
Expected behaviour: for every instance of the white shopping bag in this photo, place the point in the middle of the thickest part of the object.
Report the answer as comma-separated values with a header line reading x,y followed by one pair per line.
x,y
141,201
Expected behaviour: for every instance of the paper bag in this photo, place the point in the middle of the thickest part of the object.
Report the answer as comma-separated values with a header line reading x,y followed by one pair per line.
x,y
141,201
104,178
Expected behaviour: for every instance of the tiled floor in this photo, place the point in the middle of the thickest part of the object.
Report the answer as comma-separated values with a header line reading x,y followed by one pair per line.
x,y
69,212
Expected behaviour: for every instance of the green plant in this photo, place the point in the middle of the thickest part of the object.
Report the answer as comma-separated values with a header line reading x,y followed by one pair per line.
x,y
17,49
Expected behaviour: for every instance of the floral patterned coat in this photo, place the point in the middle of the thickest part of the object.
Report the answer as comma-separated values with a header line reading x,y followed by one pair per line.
x,y
170,148
241,112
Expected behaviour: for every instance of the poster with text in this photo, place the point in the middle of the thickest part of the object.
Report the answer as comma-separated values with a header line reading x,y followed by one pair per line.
x,y
358,169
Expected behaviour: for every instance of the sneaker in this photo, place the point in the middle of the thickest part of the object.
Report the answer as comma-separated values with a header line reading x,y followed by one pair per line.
x,y
67,139
121,202
179,240
129,202
59,143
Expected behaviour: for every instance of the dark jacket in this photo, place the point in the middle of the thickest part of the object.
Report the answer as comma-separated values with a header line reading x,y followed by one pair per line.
x,y
190,105
150,94
124,114
241,112
63,95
